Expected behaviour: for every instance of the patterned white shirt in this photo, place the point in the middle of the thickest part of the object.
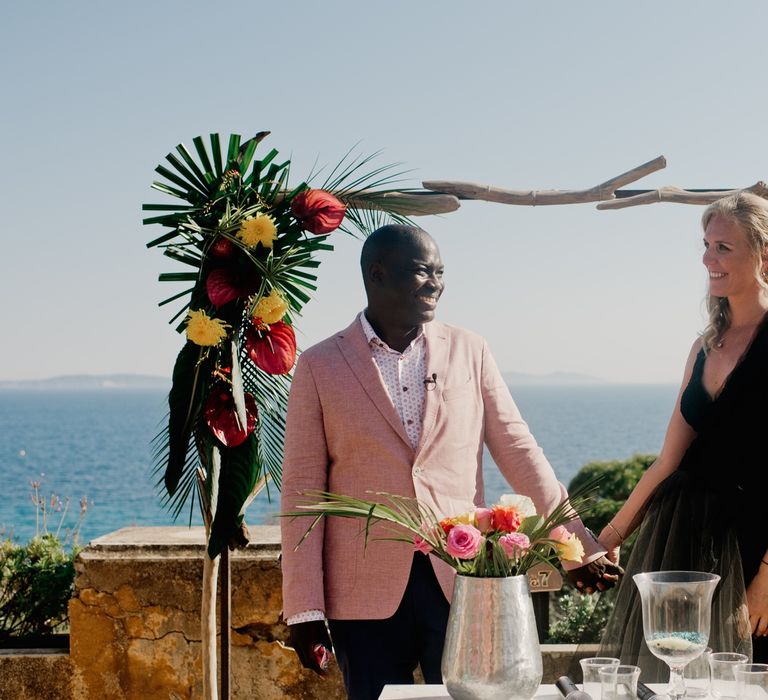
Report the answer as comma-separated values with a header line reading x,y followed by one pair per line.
x,y
403,376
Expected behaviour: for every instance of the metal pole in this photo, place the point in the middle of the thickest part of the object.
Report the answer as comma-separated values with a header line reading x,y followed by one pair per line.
x,y
226,616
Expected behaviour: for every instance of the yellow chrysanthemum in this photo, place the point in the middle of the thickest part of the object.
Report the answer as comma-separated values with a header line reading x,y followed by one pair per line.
x,y
204,330
270,309
258,229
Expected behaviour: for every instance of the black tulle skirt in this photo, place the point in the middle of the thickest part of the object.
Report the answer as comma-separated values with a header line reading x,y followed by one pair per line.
x,y
686,528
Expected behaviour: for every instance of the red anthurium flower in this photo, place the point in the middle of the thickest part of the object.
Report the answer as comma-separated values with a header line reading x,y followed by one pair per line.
x,y
225,284
272,350
318,211
221,416
221,248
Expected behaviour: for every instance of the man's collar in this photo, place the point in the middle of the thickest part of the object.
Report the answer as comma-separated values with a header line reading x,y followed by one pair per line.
x,y
372,337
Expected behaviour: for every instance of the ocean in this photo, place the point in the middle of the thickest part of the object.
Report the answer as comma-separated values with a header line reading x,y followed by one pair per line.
x,y
95,444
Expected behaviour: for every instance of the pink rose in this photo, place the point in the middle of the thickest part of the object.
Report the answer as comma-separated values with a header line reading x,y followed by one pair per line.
x,y
464,542
421,545
484,519
559,534
514,544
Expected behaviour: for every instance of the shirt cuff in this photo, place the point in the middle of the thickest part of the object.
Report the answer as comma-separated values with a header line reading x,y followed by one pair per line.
x,y
306,616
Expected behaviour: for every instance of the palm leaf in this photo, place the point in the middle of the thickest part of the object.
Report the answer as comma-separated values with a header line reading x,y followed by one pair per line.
x,y
184,400
239,474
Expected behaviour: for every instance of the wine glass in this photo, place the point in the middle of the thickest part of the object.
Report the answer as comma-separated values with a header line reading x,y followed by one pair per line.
x,y
677,607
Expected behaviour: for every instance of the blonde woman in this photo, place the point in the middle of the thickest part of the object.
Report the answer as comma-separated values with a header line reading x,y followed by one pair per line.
x,y
703,504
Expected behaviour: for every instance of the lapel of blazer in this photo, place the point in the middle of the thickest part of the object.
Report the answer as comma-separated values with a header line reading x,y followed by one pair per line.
x,y
438,345
354,347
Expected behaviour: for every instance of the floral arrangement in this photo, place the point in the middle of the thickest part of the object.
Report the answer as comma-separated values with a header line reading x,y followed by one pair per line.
x,y
249,241
506,539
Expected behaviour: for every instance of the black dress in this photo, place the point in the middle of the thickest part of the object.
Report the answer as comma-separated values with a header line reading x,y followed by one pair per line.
x,y
708,515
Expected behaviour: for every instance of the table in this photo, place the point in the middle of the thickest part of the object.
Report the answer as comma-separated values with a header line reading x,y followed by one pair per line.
x,y
438,692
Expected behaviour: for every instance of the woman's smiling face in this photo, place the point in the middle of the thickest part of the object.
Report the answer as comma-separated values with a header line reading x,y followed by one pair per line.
x,y
729,259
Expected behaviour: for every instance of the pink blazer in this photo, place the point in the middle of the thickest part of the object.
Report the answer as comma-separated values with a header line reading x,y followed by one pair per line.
x,y
344,435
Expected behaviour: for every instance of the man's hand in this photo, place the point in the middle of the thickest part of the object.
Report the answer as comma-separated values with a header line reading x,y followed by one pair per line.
x,y
304,636
599,575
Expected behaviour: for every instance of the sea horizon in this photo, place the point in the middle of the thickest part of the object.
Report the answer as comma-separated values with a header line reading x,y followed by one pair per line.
x,y
96,444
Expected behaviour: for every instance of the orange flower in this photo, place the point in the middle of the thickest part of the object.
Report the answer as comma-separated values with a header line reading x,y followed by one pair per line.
x,y
506,518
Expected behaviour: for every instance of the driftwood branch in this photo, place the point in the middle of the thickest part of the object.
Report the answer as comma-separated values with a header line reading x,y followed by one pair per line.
x,y
535,198
443,196
679,196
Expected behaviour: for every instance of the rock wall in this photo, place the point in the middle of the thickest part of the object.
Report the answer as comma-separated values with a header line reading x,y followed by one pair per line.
x,y
135,620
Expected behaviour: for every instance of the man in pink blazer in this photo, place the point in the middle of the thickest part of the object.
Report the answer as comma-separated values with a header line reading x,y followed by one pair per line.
x,y
397,403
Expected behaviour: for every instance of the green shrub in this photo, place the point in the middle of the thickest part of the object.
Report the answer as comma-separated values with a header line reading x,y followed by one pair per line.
x,y
37,578
36,583
578,618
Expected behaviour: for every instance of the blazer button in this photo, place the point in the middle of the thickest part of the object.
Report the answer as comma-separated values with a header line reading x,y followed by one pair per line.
x,y
417,470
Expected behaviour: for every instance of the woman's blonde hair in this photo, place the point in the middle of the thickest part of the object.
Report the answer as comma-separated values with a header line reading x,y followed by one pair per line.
x,y
750,212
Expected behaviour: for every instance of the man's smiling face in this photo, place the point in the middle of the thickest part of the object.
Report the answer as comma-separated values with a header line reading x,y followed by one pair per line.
x,y
410,282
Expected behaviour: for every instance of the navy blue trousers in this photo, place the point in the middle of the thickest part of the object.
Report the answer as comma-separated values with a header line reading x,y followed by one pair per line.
x,y
373,653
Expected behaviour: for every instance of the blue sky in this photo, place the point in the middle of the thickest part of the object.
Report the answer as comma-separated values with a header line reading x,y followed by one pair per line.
x,y
518,95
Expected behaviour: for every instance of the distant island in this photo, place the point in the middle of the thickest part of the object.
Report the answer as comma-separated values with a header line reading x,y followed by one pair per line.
x,y
101,382
89,382
551,379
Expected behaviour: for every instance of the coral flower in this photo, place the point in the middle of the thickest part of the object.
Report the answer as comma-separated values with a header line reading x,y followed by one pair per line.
x,y
506,518
258,229
269,309
204,330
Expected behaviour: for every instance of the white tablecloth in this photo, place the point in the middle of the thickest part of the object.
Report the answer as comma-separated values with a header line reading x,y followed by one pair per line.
x,y
438,692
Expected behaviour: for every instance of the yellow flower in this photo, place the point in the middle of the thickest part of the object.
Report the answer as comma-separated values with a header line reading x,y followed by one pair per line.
x,y
571,549
204,330
258,229
270,309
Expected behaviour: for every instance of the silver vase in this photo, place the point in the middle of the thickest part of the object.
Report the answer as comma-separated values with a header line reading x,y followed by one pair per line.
x,y
491,645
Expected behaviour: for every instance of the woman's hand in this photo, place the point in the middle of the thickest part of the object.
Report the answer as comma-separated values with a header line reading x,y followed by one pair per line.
x,y
609,541
757,602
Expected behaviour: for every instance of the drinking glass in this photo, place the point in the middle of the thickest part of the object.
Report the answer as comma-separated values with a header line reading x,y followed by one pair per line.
x,y
619,682
723,665
751,681
696,675
677,607
590,673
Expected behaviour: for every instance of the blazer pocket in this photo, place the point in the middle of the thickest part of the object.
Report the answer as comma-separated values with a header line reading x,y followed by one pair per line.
x,y
459,391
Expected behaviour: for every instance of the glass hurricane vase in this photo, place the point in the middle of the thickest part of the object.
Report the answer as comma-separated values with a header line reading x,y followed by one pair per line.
x,y
677,608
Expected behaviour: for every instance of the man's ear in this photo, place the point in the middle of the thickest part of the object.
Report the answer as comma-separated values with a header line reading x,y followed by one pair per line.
x,y
376,272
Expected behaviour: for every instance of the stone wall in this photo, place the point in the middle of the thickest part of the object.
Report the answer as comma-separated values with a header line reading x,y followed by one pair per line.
x,y
135,627
135,620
